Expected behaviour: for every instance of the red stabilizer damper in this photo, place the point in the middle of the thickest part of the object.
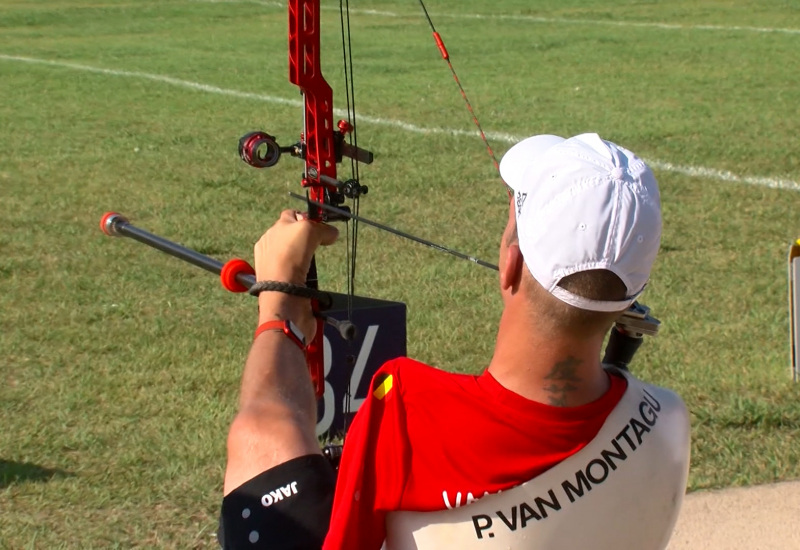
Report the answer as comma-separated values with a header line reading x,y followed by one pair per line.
x,y
229,272
107,222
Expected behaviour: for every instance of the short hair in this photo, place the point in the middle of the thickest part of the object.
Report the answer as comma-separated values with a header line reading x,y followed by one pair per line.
x,y
595,284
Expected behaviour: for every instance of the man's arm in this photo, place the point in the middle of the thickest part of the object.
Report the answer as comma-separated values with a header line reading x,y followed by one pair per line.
x,y
277,409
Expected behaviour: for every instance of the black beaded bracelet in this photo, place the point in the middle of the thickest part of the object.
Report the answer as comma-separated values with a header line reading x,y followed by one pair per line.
x,y
324,299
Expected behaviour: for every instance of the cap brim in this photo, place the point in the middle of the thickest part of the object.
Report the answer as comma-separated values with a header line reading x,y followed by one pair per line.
x,y
524,154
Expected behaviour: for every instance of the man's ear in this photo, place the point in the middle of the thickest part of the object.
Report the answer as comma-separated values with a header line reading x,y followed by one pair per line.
x,y
511,269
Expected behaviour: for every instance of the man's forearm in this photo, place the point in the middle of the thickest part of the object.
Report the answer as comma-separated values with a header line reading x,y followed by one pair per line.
x,y
277,407
275,372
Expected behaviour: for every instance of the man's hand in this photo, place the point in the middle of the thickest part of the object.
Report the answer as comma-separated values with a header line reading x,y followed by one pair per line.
x,y
284,254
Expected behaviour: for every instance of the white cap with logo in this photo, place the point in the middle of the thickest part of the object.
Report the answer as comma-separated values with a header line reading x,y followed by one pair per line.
x,y
584,203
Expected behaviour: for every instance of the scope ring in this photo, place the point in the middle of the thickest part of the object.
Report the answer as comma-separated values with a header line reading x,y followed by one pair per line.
x,y
259,149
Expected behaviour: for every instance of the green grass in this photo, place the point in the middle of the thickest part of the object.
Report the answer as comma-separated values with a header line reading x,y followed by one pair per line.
x,y
120,365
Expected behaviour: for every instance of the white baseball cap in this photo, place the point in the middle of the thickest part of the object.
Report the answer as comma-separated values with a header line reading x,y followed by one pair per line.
x,y
584,203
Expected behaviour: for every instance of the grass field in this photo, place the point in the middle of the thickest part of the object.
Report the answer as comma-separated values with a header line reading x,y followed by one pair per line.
x,y
120,365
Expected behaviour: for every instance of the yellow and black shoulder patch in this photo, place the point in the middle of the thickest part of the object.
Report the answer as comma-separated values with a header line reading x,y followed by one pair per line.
x,y
382,386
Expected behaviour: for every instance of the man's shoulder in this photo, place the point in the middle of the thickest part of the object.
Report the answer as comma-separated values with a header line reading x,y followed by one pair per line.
x,y
644,399
637,384
412,375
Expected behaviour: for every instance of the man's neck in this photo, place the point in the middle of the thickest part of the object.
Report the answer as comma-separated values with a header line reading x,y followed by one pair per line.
x,y
556,370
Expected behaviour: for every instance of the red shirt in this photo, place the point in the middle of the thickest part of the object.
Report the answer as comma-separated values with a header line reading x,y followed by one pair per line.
x,y
426,439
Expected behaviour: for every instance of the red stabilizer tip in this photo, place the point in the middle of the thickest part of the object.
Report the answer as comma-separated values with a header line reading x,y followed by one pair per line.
x,y
230,270
107,222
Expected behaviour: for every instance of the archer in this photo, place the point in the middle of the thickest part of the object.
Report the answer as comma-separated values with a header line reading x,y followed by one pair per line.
x,y
547,448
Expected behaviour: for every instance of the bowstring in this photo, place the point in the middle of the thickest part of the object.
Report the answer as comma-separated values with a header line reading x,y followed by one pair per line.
x,y
352,137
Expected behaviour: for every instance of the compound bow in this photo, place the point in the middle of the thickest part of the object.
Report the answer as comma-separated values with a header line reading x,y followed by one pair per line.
x,y
322,146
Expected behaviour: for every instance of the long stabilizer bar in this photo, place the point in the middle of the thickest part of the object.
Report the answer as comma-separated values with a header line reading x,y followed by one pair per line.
x,y
236,275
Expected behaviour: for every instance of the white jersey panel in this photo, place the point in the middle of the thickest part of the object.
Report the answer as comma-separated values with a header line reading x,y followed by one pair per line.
x,y
622,491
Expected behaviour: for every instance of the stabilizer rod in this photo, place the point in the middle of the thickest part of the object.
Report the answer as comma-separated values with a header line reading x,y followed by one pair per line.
x,y
236,275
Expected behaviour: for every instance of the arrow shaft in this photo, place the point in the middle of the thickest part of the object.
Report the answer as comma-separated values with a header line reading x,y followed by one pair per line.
x,y
397,232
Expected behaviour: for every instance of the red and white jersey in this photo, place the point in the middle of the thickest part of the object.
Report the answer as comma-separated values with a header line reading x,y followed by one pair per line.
x,y
427,440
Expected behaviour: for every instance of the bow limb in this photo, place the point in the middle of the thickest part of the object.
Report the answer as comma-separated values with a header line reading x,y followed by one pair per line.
x,y
317,145
305,72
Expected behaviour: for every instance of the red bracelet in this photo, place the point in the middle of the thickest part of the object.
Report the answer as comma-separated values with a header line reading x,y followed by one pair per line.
x,y
287,327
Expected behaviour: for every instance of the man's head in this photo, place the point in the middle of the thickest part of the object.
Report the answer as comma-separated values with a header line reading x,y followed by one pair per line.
x,y
587,216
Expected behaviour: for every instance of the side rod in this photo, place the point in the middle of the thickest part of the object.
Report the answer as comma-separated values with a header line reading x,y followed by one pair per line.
x,y
238,271
236,275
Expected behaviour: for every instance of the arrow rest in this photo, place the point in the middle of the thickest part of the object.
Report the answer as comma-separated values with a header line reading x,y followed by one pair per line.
x,y
260,150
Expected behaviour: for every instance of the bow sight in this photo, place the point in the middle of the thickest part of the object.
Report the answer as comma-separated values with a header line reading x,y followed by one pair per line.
x,y
260,150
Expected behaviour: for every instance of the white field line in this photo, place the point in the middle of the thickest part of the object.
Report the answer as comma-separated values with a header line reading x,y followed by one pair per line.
x,y
533,19
283,6
693,171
